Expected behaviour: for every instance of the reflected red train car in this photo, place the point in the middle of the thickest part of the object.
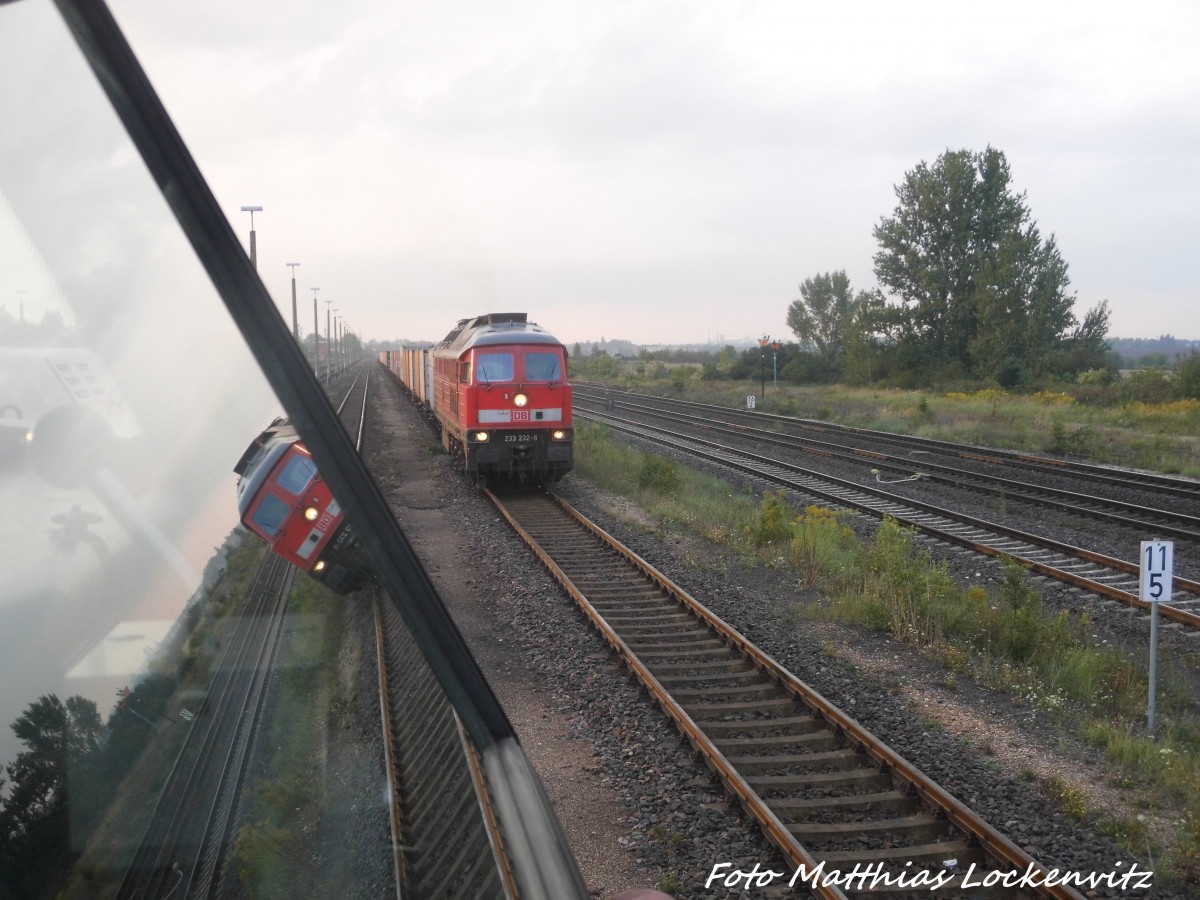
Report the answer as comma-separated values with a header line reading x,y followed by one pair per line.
x,y
497,385
283,499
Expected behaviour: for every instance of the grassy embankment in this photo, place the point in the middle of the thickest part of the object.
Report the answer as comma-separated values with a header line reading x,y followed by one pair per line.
x,y
281,849
1001,638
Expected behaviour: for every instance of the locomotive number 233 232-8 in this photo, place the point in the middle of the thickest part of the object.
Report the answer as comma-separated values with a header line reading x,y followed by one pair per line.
x,y
520,438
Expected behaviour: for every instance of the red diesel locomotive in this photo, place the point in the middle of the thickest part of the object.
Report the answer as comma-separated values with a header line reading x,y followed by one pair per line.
x,y
497,385
283,499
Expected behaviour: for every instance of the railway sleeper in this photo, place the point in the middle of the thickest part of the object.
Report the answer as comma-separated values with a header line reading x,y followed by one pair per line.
x,y
617,593
921,826
749,691
716,665
648,602
694,632
608,584
638,618
800,762
707,678
767,724
938,853
862,781
703,711
803,740
649,650
792,808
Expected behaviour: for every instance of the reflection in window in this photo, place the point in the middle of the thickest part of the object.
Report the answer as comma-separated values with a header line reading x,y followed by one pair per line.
x,y
542,367
270,515
494,367
297,474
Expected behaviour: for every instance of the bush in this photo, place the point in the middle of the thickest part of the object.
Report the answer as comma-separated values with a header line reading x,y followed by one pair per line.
x,y
658,474
1096,376
1147,386
774,522
680,376
1187,375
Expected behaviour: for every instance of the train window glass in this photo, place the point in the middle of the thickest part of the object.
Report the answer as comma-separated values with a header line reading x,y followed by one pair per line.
x,y
270,514
297,474
542,367
464,372
121,417
493,367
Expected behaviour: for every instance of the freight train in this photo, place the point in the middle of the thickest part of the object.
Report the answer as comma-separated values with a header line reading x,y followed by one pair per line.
x,y
497,387
284,500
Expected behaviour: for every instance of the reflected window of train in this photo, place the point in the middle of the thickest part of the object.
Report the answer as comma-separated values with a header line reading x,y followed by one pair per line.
x,y
270,514
490,367
464,372
297,474
542,367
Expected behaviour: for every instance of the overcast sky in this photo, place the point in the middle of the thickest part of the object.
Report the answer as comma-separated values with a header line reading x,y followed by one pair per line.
x,y
670,172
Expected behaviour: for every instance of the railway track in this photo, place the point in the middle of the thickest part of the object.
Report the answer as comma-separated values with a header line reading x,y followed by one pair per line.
x,y
183,846
1138,518
448,840
821,787
1109,577
445,838
1175,487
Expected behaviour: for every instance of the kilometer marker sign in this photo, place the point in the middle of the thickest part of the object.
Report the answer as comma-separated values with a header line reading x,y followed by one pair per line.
x,y
1158,559
1157,566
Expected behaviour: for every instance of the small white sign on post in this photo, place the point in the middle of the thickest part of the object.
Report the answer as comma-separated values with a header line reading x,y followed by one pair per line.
x,y
1157,566
750,398
1158,559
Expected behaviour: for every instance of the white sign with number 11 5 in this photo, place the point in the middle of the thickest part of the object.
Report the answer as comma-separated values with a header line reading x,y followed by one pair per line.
x,y
1158,558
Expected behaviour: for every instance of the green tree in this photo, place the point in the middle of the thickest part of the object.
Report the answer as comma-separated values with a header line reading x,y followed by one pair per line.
x,y
62,741
983,292
869,335
1187,374
821,316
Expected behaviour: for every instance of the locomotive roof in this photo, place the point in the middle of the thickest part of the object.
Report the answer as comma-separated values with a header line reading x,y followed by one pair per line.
x,y
494,328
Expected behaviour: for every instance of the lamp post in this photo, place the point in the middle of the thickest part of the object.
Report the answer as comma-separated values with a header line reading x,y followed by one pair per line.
x,y
253,250
328,346
762,365
775,345
337,339
295,321
316,333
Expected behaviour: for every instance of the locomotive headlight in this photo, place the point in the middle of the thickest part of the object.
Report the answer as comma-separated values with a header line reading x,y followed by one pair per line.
x,y
520,399
311,514
320,566
559,435
481,436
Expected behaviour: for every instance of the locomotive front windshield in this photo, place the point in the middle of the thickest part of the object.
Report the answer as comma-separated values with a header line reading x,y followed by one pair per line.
x,y
271,514
297,474
542,367
502,367
493,367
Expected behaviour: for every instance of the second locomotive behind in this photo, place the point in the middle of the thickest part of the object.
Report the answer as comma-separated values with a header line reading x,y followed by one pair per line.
x,y
497,386
284,500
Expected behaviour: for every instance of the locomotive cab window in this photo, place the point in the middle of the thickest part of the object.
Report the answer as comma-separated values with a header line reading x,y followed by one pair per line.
x,y
297,474
493,367
542,367
270,515
464,372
